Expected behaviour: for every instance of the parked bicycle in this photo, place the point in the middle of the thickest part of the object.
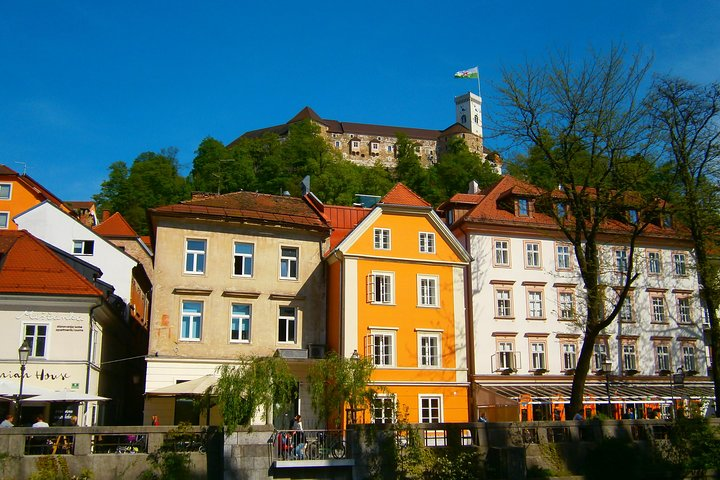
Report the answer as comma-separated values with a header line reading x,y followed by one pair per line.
x,y
324,446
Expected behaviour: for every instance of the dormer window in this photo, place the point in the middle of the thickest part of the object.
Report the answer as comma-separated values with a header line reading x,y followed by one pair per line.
x,y
523,207
633,215
667,221
561,210
355,145
374,146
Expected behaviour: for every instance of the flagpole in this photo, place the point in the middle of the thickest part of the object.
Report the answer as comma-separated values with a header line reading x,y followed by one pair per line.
x,y
478,79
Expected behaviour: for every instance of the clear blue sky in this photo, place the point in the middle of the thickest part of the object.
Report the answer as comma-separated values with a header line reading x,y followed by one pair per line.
x,y
86,83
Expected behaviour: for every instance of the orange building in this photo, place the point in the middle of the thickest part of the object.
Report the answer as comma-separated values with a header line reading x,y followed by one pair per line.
x,y
396,294
19,193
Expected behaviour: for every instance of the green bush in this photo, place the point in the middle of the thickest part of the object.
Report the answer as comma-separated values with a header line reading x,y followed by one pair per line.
x,y
53,467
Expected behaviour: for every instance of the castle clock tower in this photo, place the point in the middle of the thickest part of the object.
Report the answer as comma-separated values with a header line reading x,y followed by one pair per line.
x,y
468,112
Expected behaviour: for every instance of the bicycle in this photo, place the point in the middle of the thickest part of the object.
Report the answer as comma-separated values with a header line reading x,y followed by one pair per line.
x,y
325,446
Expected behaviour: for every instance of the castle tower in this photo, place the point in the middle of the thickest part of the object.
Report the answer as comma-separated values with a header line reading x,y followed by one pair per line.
x,y
468,112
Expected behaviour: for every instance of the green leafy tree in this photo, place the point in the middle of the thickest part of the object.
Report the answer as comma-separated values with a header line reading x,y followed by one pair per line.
x,y
115,192
337,381
588,131
408,169
688,119
456,168
376,180
252,386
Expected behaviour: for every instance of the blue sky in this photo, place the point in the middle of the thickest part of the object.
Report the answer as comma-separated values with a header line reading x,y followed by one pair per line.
x,y
87,83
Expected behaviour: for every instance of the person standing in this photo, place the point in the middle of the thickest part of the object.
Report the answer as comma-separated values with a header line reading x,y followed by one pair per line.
x,y
154,421
40,422
298,437
8,422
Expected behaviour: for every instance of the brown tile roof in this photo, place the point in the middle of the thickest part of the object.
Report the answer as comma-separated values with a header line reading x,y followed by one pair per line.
x,y
343,220
27,266
115,226
468,198
402,195
249,207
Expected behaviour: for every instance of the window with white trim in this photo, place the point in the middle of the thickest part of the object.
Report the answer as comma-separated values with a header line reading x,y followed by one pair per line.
x,y
532,255
654,262
535,304
83,247
626,310
381,239
563,257
629,357
381,288
503,302
289,263
658,309
506,355
5,191
427,242
243,259
523,207
195,251
191,320
537,355
684,310
680,263
381,348
36,338
569,358
566,305
689,358
429,349
600,354
430,408
428,291
287,325
502,253
383,409
4,220
240,323
662,357
621,261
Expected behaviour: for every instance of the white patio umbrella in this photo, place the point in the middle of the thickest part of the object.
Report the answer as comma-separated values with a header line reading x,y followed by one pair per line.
x,y
66,397
191,387
11,389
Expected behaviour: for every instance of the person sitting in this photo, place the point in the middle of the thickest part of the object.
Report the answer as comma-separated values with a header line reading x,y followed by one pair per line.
x,y
578,417
482,418
8,422
40,422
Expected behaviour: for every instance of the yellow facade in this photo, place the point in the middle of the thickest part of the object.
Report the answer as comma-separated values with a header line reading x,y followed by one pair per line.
x,y
401,302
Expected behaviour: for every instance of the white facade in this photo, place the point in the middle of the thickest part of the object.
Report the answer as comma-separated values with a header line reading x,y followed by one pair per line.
x,y
48,223
468,112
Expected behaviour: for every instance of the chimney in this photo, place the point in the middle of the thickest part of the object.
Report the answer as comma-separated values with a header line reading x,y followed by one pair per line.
x,y
473,187
106,215
305,185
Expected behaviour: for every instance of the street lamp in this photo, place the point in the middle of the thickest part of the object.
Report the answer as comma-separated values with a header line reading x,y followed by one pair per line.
x,y
678,379
607,370
23,354
355,357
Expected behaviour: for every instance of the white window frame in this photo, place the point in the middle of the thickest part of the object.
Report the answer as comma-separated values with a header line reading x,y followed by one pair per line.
x,y
426,242
9,190
191,319
684,306
197,258
600,354
569,355
662,356
620,258
288,262
501,252
382,239
533,256
689,357
428,290
503,305
290,322
627,311
380,404
4,220
680,264
506,358
629,356
381,354
658,310
427,405
244,258
32,338
429,355
535,297
566,308
385,294
654,259
241,319
538,357
563,257
84,247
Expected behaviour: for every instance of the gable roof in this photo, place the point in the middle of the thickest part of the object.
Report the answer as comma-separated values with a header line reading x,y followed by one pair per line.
x,y
115,226
249,207
402,195
28,266
343,220
41,192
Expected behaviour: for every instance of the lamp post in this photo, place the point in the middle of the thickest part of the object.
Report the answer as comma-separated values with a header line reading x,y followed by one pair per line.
x,y
607,369
677,379
354,357
23,354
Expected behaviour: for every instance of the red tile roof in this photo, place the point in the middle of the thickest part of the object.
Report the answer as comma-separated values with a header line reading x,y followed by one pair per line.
x,y
402,195
249,206
115,226
27,266
31,185
343,220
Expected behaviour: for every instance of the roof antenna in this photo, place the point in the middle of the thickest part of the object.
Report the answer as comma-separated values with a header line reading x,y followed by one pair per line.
x,y
24,167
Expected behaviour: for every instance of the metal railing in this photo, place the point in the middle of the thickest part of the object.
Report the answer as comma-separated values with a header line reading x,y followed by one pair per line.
x,y
292,445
